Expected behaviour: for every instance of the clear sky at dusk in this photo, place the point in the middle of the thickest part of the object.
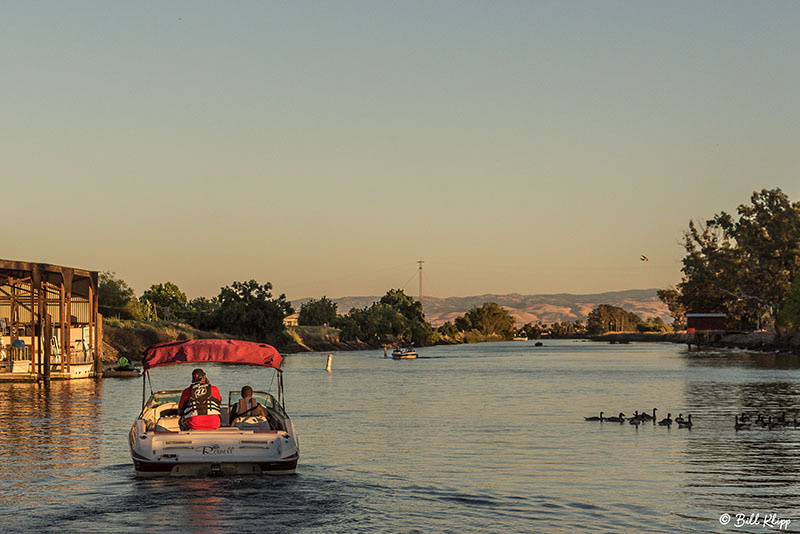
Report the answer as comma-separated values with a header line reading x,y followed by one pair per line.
x,y
530,147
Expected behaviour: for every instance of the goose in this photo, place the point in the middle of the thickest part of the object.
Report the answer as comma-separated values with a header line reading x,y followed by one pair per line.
x,y
647,417
594,418
666,421
620,419
680,419
744,418
783,421
685,424
772,425
740,426
635,421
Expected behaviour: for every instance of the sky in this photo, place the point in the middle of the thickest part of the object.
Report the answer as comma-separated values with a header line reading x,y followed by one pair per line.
x,y
325,147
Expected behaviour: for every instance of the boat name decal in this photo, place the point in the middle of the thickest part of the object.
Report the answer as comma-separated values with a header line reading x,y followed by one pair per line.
x,y
214,450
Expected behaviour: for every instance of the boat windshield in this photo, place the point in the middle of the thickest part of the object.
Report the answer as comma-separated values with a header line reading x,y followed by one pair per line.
x,y
265,399
164,397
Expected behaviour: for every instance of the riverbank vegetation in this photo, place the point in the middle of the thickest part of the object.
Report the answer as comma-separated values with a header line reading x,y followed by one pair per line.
x,y
487,322
745,265
396,319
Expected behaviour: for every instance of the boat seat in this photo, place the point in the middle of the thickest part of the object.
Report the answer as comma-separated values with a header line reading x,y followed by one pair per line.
x,y
252,423
168,424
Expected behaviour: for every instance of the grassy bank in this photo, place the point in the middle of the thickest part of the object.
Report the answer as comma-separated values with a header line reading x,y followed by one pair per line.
x,y
131,338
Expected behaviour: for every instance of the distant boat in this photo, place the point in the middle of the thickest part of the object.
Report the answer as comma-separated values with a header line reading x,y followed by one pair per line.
x,y
404,354
122,372
520,338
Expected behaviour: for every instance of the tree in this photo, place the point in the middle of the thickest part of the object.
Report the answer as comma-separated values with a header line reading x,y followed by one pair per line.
x,y
116,298
743,267
463,323
606,318
490,318
201,313
448,330
767,236
534,330
247,309
672,298
396,318
410,308
166,296
789,316
654,324
317,312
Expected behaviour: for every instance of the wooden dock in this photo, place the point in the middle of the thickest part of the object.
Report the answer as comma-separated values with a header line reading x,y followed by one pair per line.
x,y
33,377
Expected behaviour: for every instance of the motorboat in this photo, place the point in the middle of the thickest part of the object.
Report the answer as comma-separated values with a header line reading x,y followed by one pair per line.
x,y
246,445
122,372
123,369
404,354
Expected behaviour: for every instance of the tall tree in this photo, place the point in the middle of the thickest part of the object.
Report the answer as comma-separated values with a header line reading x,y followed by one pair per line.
x,y
789,316
396,318
410,308
317,312
490,318
743,267
247,309
672,298
116,298
767,236
606,318
166,295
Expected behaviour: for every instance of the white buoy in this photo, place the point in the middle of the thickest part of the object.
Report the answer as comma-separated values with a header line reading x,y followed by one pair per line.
x,y
330,361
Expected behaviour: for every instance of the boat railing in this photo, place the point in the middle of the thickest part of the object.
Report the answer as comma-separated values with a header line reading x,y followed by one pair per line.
x,y
17,357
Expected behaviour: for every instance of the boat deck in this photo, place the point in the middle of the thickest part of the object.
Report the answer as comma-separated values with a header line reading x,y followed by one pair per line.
x,y
34,377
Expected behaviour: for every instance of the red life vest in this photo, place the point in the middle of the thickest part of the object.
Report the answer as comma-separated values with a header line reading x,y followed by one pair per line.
x,y
201,407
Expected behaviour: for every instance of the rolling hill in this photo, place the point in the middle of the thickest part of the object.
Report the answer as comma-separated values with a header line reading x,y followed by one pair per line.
x,y
528,308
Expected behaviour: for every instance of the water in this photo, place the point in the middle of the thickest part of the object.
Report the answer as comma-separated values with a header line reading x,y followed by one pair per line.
x,y
473,438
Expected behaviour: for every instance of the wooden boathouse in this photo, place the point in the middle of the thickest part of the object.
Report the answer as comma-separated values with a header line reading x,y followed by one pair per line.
x,y
704,329
50,327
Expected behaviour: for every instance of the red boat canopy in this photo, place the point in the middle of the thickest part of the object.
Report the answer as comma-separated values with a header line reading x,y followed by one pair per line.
x,y
211,350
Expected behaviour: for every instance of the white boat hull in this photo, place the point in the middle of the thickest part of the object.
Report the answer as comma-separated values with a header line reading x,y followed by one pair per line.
x,y
227,450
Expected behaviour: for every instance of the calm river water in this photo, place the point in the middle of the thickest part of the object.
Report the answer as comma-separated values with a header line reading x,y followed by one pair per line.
x,y
473,438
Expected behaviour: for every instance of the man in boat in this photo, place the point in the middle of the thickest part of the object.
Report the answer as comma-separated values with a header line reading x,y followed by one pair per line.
x,y
200,404
247,406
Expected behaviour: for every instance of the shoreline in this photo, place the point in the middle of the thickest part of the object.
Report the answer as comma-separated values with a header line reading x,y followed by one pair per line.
x,y
131,340
751,341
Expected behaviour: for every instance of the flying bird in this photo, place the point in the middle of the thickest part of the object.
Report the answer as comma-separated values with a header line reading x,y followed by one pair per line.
x,y
644,258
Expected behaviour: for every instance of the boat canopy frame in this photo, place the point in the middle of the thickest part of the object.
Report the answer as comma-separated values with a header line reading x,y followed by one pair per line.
x,y
212,351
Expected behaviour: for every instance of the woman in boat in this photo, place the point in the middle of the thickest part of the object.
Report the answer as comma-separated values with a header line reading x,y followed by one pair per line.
x,y
247,406
200,404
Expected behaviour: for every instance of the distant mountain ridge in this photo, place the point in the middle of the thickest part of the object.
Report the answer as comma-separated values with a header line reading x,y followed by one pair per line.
x,y
528,308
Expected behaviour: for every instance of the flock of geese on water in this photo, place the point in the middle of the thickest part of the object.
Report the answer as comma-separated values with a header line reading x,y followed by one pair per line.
x,y
643,417
745,422
741,422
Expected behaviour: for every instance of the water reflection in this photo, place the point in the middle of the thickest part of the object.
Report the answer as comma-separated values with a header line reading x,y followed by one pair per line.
x,y
480,438
50,430
747,360
749,470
